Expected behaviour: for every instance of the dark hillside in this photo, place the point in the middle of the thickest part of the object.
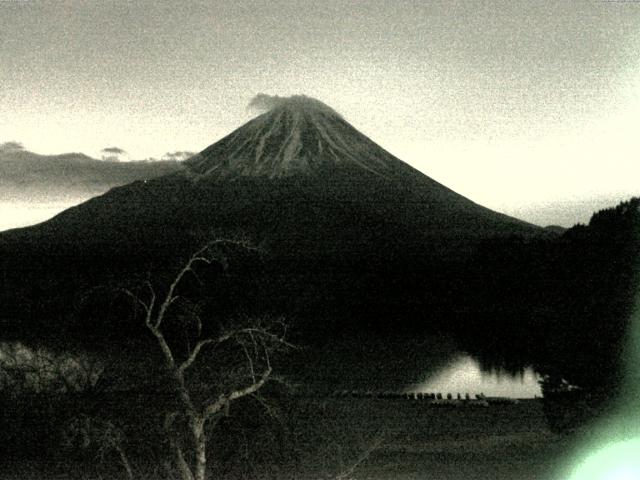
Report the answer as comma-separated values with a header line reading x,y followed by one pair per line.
x,y
31,178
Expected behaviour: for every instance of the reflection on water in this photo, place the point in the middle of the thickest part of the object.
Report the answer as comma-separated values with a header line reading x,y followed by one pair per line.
x,y
464,375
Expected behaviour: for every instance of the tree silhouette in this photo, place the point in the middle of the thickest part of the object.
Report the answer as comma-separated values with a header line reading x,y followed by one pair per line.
x,y
217,364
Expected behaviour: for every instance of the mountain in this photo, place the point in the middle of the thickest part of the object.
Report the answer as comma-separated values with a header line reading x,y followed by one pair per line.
x,y
304,148
351,235
29,180
300,136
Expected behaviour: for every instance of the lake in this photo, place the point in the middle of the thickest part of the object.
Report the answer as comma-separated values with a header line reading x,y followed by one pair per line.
x,y
463,374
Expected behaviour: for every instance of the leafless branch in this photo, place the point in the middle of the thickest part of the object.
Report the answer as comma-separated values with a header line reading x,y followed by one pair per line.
x,y
249,360
194,354
266,406
347,473
224,399
257,341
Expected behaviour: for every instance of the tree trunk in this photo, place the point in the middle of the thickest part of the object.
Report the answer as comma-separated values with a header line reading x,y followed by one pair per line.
x,y
181,463
200,441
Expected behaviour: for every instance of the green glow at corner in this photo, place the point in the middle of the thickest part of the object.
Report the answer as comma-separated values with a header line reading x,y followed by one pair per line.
x,y
619,461
614,450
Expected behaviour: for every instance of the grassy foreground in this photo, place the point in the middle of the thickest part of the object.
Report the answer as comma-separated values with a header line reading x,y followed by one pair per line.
x,y
418,441
366,439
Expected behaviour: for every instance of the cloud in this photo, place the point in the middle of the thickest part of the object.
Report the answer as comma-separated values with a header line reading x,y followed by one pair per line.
x,y
178,156
263,102
112,154
113,151
11,147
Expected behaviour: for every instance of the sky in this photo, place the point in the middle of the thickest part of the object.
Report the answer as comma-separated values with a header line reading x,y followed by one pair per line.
x,y
527,107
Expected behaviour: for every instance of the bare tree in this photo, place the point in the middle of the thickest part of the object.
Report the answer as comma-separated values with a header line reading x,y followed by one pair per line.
x,y
85,432
244,366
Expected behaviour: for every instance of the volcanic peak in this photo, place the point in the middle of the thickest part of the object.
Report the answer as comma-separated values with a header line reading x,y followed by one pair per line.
x,y
295,104
297,135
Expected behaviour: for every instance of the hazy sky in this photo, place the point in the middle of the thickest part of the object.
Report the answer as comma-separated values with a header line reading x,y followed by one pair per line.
x,y
520,105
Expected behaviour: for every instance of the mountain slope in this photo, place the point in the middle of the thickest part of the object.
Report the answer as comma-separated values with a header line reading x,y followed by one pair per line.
x,y
28,177
300,153
302,135
351,235
35,187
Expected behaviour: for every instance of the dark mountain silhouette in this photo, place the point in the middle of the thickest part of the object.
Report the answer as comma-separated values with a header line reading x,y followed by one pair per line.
x,y
353,239
555,229
306,161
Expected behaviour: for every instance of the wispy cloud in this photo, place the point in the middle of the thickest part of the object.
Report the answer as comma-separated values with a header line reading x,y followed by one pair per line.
x,y
263,102
178,156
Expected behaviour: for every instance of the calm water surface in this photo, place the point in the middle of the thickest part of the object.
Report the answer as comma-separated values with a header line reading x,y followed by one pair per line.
x,y
464,375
